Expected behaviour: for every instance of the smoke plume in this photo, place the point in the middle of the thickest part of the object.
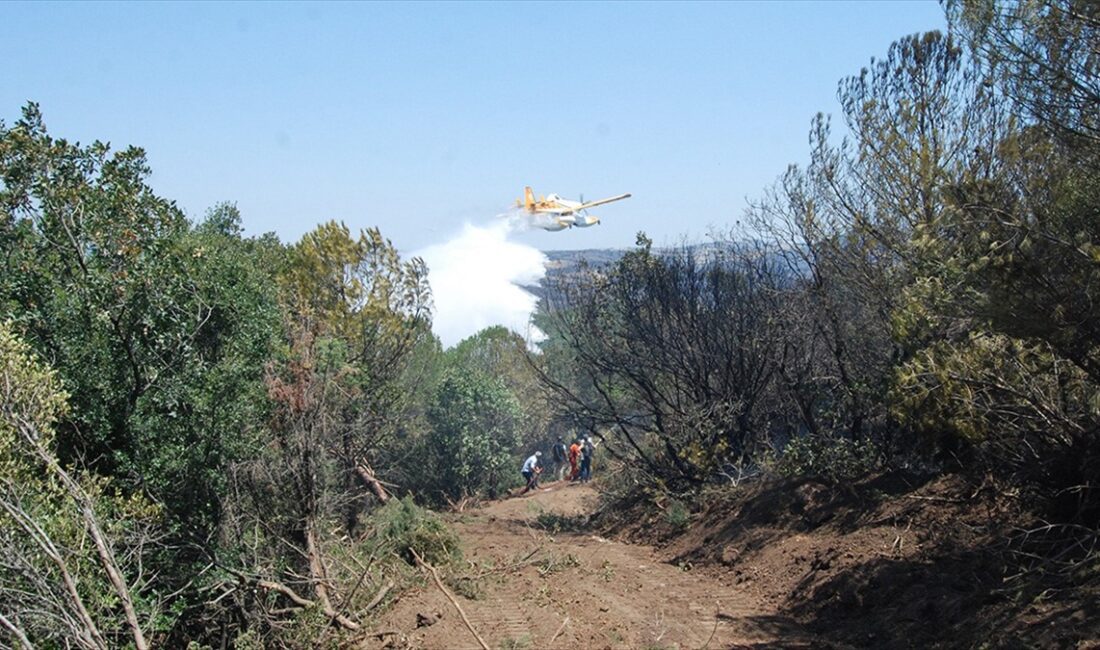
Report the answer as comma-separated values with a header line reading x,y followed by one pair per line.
x,y
477,280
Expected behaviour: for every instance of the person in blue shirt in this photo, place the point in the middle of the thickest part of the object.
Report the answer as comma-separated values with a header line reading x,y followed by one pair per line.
x,y
587,450
532,467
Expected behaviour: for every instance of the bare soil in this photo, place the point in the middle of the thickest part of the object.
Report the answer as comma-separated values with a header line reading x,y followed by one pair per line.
x,y
577,589
892,563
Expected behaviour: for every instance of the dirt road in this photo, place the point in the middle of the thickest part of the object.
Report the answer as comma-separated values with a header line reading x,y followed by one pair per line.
x,y
531,587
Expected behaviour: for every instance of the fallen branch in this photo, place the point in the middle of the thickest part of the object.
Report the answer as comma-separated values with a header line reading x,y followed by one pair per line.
x,y
717,616
381,633
366,474
319,575
511,567
297,599
560,630
16,632
939,499
278,587
104,551
460,505
379,596
88,633
439,583
232,589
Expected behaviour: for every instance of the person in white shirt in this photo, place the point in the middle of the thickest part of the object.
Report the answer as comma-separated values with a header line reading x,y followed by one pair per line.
x,y
532,467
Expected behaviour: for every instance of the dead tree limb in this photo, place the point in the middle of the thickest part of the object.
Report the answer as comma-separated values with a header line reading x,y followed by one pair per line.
x,y
379,596
89,635
320,579
301,601
509,567
560,630
91,522
439,583
366,474
280,588
16,632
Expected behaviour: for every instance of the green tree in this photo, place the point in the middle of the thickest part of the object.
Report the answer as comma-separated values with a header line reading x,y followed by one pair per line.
x,y
1043,52
501,353
352,314
475,424
158,330
1001,316
1009,286
357,296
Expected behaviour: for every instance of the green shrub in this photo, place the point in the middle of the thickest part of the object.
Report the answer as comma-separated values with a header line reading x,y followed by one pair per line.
x,y
677,515
401,525
474,426
833,459
554,522
553,563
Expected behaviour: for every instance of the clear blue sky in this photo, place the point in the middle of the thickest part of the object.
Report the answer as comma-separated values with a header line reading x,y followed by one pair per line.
x,y
417,117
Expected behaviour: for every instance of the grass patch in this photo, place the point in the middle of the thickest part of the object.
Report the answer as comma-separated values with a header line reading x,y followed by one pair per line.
x,y
522,643
607,572
555,523
552,564
469,588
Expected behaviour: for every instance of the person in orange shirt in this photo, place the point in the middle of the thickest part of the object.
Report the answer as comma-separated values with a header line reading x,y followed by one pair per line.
x,y
574,455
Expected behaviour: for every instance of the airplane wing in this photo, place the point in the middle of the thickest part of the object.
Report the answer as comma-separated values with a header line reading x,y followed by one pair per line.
x,y
592,204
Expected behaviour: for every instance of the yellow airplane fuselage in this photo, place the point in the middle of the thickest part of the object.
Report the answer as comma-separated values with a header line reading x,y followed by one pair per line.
x,y
562,213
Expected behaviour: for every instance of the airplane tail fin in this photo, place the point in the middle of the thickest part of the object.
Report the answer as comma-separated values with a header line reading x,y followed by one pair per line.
x,y
528,199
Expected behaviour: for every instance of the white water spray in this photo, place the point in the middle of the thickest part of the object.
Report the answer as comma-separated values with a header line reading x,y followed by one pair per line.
x,y
477,279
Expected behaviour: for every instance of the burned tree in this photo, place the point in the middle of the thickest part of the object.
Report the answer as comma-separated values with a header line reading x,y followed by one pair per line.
x,y
671,355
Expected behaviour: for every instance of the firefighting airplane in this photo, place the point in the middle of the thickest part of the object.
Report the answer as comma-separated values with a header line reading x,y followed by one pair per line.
x,y
561,213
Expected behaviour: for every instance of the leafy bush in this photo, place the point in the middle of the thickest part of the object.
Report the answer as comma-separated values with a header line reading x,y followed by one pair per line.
x,y
677,515
833,459
474,422
401,526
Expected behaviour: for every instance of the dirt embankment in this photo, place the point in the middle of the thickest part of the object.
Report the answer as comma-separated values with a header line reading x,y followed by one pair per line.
x,y
891,563
888,564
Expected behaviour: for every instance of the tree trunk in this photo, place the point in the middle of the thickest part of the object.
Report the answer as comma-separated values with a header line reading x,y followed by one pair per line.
x,y
366,474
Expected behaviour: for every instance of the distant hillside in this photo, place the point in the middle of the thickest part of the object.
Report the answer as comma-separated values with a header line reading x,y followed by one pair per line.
x,y
562,263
